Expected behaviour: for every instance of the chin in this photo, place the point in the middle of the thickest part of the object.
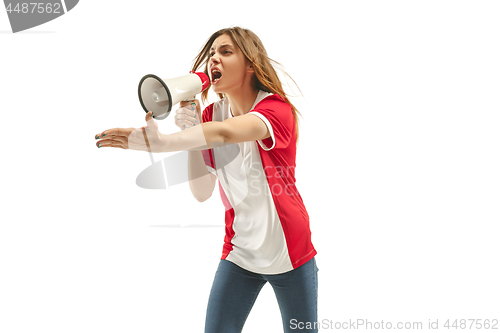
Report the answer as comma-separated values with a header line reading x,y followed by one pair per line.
x,y
217,90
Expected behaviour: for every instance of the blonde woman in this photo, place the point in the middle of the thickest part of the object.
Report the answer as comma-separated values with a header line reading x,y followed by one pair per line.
x,y
247,140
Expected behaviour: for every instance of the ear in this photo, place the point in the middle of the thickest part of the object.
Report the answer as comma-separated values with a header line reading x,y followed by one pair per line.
x,y
250,68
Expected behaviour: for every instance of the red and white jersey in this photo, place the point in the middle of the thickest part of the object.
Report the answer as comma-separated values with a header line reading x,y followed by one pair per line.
x,y
267,225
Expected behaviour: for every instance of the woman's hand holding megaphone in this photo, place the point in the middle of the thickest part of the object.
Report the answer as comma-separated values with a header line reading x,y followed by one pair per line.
x,y
186,116
146,138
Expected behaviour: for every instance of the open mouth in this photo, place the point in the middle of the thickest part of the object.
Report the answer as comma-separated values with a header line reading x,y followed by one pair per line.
x,y
216,75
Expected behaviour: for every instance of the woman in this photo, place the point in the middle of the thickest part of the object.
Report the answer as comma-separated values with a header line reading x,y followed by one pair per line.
x,y
247,140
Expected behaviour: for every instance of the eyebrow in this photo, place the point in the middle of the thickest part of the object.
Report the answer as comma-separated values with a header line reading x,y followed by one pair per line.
x,y
221,47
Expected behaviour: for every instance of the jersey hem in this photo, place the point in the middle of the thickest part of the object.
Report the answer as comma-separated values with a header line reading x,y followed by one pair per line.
x,y
304,259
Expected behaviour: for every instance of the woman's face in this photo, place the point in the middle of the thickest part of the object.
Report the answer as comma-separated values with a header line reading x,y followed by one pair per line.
x,y
228,68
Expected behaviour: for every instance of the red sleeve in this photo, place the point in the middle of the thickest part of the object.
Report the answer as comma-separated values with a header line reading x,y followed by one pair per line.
x,y
207,113
278,116
208,155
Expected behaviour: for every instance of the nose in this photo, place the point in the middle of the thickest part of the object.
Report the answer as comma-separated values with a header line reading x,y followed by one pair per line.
x,y
214,59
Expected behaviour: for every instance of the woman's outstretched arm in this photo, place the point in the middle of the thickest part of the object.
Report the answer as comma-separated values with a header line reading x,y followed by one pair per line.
x,y
207,135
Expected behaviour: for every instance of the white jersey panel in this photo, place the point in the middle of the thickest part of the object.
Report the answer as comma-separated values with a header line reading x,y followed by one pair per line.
x,y
259,243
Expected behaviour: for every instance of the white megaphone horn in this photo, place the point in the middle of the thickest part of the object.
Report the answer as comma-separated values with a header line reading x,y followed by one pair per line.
x,y
160,96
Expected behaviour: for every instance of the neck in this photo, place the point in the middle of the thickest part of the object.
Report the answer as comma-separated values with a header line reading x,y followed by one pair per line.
x,y
242,101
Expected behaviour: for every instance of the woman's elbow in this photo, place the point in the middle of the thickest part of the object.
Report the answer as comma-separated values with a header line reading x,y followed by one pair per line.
x,y
203,187
202,198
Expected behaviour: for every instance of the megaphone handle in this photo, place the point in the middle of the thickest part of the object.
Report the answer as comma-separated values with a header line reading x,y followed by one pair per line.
x,y
192,108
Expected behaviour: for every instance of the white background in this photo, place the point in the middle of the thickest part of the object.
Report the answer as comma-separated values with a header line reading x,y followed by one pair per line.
x,y
397,164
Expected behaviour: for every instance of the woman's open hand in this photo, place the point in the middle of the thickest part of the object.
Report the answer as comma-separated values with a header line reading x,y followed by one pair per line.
x,y
146,138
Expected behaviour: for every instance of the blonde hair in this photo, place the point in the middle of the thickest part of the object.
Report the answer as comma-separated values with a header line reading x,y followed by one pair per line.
x,y
265,77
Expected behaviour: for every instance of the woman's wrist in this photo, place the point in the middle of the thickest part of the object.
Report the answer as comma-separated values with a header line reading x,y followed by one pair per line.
x,y
163,143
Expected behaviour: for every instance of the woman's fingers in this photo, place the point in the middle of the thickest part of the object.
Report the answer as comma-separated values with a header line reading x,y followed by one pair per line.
x,y
185,116
193,107
149,116
125,132
115,137
132,138
188,103
185,111
112,143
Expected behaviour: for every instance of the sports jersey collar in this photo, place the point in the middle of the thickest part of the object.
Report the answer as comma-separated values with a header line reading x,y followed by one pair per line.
x,y
260,96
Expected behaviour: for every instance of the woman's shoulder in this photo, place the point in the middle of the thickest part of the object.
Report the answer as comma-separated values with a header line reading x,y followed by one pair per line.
x,y
273,101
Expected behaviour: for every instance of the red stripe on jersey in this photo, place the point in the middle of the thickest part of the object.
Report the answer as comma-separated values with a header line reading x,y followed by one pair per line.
x,y
229,219
279,167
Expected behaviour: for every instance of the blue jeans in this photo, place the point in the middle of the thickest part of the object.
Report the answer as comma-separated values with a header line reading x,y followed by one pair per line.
x,y
235,289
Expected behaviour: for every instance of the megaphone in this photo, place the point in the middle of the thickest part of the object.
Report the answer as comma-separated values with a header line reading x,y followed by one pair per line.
x,y
160,96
